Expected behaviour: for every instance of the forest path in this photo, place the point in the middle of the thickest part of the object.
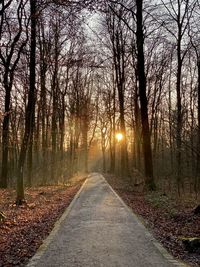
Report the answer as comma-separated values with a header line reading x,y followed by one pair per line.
x,y
98,229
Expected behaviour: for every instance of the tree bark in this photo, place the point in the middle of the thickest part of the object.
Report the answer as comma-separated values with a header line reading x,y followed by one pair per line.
x,y
30,109
148,162
113,132
179,112
5,136
197,181
55,86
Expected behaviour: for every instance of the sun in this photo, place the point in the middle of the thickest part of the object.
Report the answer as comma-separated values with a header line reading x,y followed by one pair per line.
x,y
119,136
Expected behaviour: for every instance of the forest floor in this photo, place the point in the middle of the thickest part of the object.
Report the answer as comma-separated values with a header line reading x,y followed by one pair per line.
x,y
168,219
26,226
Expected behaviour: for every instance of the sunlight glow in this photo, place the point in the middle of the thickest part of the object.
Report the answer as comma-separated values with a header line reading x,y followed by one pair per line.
x,y
119,137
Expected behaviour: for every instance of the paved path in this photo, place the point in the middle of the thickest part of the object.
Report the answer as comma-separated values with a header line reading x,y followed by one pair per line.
x,y
98,230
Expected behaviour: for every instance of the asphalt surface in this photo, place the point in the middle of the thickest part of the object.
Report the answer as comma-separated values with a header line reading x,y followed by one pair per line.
x,y
98,230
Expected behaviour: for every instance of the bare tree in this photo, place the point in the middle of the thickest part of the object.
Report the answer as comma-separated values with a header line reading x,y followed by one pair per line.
x,y
148,162
30,109
117,31
13,38
179,12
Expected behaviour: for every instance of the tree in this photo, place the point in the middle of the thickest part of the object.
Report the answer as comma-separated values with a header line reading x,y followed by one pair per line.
x,y
148,162
30,109
180,13
116,29
193,30
13,41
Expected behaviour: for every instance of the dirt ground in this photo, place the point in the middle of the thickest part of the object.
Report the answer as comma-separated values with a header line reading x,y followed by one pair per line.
x,y
25,227
169,220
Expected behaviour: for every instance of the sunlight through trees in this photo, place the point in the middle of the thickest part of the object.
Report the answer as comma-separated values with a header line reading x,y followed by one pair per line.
x,y
78,78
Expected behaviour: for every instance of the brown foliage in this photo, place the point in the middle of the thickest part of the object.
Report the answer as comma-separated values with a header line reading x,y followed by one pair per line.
x,y
168,226
169,219
25,227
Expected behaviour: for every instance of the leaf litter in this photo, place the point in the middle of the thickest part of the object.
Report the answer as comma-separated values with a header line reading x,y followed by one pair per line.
x,y
169,221
25,227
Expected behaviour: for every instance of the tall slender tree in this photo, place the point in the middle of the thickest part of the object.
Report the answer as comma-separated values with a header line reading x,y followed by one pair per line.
x,y
30,109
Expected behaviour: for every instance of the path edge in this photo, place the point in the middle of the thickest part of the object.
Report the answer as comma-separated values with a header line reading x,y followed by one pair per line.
x,y
169,257
46,242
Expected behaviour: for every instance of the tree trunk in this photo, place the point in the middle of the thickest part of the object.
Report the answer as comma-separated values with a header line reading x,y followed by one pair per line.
x,y
197,181
120,79
148,163
30,161
43,115
30,107
53,137
62,127
43,101
55,86
5,136
104,159
113,132
85,146
137,130
170,119
179,112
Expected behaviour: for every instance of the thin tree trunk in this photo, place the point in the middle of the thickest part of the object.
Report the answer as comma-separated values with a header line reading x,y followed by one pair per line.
x,y
5,136
113,132
30,108
170,120
54,135
30,161
197,181
62,127
137,130
85,147
179,113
